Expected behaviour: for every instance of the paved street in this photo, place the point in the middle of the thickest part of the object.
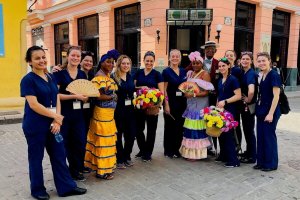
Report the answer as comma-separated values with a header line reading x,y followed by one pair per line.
x,y
165,178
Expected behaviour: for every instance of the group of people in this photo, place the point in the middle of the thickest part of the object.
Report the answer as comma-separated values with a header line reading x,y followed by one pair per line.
x,y
93,129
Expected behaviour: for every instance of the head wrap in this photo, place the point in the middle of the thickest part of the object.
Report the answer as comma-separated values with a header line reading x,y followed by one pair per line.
x,y
195,56
110,54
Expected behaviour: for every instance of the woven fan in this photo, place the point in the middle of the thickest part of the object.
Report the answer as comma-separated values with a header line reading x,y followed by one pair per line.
x,y
84,87
189,87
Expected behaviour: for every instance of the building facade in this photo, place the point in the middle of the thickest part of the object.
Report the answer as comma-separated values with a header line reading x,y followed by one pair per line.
x,y
12,52
136,26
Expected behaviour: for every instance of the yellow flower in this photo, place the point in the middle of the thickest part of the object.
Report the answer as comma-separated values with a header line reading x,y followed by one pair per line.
x,y
146,100
209,124
205,117
162,98
149,95
154,99
142,96
220,125
134,102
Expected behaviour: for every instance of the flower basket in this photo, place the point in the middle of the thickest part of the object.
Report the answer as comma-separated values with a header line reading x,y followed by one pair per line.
x,y
213,131
153,110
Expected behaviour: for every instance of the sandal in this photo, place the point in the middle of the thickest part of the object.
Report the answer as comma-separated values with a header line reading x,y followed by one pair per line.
x,y
105,176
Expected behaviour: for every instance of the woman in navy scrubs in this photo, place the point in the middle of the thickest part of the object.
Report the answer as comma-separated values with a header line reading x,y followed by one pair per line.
x,y
229,92
174,105
124,112
237,72
268,114
42,106
249,95
74,128
147,77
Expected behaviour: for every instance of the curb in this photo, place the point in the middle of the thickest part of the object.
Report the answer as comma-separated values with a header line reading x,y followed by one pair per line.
x,y
10,117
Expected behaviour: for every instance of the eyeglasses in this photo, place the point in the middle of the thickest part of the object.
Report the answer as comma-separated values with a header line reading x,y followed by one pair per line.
x,y
87,53
246,53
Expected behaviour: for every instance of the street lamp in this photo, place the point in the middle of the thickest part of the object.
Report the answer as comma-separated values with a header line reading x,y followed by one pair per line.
x,y
219,29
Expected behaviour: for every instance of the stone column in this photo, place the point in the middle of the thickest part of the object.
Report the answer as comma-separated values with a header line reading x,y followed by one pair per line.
x,y
49,42
106,29
292,70
73,33
263,28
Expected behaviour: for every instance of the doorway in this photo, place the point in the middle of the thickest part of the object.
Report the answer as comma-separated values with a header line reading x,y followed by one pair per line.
x,y
186,39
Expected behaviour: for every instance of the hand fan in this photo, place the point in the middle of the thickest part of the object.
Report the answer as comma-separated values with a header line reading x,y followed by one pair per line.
x,y
189,87
84,87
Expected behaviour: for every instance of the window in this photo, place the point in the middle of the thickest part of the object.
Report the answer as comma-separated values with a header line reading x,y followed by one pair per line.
x,y
187,3
61,38
244,27
128,17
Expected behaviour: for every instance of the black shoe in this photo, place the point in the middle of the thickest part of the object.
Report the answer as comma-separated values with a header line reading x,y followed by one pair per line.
x,y
257,167
268,169
139,155
75,191
219,159
247,160
211,153
146,158
86,170
78,177
42,197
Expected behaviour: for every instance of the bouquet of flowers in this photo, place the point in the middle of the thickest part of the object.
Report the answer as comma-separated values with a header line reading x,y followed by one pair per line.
x,y
148,99
218,121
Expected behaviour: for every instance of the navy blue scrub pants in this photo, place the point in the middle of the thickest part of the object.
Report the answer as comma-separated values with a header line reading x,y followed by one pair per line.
x,y
267,151
56,151
126,126
173,133
248,121
228,153
74,133
146,144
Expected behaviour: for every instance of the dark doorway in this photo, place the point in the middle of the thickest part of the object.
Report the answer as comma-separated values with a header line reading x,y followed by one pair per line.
x,y
88,35
61,38
128,26
186,39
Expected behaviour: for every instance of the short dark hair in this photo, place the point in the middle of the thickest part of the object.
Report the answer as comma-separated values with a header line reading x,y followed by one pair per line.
x,y
265,54
30,50
149,53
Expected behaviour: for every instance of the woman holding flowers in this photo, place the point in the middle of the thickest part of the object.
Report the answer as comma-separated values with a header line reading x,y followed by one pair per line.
x,y
147,78
249,95
268,114
124,113
195,141
229,93
100,153
174,105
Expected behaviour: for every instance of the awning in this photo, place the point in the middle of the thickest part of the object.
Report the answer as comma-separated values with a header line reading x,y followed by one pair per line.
x,y
189,17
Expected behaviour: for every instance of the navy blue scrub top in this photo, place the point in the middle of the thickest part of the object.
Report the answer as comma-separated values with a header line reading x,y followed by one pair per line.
x,y
174,81
46,94
265,95
226,91
250,77
125,91
151,80
237,72
63,79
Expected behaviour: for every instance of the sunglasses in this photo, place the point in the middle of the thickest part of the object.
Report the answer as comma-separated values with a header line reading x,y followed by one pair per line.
x,y
246,53
87,53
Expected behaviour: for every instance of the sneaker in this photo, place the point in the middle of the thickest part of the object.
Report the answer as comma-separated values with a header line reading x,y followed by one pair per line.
x,y
121,166
139,155
128,163
79,177
228,165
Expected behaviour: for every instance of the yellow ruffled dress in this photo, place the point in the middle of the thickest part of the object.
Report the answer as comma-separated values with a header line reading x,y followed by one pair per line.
x,y
101,139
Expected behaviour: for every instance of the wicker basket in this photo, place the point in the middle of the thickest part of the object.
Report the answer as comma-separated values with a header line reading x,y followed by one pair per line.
x,y
213,131
153,110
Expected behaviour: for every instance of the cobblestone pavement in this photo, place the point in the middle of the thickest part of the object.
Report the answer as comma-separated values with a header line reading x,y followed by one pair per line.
x,y
166,178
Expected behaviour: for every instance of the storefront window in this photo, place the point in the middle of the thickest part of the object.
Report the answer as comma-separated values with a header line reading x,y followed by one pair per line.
x,y
61,38
244,27
88,35
128,17
187,3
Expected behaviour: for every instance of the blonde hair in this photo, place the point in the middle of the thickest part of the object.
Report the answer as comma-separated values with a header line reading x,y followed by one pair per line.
x,y
117,74
175,51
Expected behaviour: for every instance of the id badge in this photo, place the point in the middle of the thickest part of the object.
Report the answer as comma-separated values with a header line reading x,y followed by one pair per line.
x,y
178,94
76,105
127,102
52,109
86,105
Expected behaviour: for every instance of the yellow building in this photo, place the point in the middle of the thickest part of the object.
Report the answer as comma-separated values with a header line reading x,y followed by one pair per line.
x,y
13,16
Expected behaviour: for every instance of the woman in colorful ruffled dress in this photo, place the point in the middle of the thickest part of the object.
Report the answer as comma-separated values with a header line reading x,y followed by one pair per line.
x,y
101,140
195,141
